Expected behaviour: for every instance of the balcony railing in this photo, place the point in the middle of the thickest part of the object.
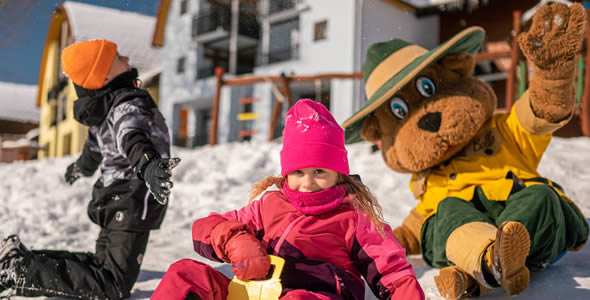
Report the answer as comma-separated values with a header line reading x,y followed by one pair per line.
x,y
283,54
281,5
221,20
212,21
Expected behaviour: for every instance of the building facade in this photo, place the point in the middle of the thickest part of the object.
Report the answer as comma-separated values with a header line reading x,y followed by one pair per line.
x,y
268,38
19,121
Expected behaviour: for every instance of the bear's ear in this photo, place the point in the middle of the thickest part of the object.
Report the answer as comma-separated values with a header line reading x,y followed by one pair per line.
x,y
457,65
370,130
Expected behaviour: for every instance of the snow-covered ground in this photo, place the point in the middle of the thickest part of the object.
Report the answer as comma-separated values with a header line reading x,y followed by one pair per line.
x,y
47,213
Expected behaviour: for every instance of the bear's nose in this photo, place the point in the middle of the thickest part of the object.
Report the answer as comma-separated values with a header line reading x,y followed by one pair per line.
x,y
430,121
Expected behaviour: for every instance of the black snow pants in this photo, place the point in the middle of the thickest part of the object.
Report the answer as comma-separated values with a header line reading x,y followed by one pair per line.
x,y
110,273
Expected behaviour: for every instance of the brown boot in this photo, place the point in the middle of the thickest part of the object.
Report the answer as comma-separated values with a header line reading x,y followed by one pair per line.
x,y
505,258
454,283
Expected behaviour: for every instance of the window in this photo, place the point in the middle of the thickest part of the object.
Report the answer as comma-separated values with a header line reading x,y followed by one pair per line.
x,y
183,7
180,65
284,41
320,30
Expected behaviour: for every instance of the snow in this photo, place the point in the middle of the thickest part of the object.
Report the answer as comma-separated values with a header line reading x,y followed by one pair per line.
x,y
47,213
18,102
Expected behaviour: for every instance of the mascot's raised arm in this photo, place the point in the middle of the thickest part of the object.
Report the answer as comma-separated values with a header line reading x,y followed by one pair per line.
x,y
485,216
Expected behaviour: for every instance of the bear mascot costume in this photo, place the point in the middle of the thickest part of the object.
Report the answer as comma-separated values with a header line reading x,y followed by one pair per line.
x,y
485,216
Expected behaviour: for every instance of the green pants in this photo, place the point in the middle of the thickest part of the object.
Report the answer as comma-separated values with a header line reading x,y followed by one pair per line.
x,y
554,224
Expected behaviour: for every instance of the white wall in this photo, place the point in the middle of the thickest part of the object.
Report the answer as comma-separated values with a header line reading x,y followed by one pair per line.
x,y
181,88
335,54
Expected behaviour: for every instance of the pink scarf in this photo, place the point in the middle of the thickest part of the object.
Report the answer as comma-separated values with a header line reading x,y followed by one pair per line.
x,y
315,203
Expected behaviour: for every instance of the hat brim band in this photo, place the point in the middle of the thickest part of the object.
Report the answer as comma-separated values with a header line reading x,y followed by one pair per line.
x,y
392,65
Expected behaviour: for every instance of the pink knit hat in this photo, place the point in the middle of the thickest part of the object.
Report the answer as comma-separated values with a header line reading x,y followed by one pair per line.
x,y
312,139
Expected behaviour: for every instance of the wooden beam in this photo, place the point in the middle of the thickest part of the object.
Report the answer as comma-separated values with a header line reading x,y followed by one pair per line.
x,y
247,100
514,57
250,79
483,56
242,133
287,90
215,113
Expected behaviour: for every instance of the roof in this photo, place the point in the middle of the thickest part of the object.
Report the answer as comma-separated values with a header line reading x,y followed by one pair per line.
x,y
132,32
161,17
17,102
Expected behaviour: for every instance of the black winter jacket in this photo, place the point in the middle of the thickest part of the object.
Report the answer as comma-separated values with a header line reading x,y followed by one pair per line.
x,y
123,124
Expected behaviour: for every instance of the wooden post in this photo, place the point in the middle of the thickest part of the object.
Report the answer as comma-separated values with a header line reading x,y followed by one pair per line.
x,y
273,121
215,113
286,91
514,60
585,114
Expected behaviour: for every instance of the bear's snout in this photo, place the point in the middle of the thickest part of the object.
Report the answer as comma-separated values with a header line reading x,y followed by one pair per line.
x,y
430,121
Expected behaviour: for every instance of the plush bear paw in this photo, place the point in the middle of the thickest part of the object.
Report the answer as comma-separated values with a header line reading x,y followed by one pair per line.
x,y
555,35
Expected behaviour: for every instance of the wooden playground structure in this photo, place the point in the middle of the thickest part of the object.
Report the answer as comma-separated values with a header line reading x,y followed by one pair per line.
x,y
281,94
517,65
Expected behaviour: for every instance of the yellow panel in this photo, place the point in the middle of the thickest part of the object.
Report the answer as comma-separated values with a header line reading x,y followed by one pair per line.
x,y
248,116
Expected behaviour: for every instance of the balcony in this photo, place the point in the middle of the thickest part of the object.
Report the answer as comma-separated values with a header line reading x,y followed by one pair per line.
x,y
283,54
216,26
277,6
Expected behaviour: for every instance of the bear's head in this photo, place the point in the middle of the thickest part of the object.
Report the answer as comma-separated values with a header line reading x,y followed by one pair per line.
x,y
423,106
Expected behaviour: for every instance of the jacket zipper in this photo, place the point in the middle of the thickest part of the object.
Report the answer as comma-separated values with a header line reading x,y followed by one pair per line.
x,y
284,235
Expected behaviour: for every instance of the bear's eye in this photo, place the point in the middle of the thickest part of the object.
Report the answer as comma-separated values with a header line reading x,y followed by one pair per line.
x,y
425,86
399,108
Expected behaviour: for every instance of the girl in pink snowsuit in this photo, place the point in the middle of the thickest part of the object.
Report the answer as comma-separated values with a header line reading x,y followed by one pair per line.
x,y
325,224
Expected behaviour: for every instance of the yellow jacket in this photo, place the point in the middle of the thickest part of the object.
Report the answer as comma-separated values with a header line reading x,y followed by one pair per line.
x,y
508,142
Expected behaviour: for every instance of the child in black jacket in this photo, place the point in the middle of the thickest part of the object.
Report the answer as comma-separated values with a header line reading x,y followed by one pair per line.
x,y
129,140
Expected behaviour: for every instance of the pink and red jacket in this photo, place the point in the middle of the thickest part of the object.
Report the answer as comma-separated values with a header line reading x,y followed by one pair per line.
x,y
328,248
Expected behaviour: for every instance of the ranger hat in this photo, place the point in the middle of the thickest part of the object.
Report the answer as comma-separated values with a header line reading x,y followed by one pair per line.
x,y
391,65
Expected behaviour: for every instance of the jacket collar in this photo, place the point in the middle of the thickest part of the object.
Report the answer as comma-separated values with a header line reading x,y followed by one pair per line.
x,y
92,106
315,203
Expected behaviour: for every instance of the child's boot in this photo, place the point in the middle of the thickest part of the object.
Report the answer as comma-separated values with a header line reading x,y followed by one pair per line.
x,y
505,258
454,283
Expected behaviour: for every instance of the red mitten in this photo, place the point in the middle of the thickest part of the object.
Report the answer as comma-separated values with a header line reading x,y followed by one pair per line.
x,y
234,242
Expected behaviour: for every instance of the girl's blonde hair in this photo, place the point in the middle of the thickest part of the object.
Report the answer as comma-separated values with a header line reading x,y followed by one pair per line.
x,y
361,197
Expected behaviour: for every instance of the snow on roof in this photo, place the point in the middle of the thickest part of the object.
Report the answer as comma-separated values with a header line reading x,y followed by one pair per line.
x,y
132,32
18,102
427,3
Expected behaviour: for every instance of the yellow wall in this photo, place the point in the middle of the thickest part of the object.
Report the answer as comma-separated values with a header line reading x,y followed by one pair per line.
x,y
67,136
47,133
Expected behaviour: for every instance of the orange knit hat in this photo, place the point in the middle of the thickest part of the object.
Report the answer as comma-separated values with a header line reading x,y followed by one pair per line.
x,y
88,63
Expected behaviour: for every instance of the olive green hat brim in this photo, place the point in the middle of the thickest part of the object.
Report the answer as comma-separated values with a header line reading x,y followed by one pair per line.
x,y
468,40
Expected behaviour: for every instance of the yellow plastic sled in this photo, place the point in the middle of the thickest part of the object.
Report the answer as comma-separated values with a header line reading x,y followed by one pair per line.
x,y
269,289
